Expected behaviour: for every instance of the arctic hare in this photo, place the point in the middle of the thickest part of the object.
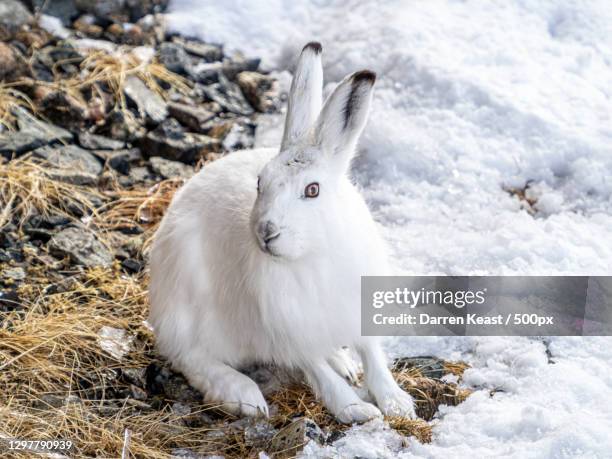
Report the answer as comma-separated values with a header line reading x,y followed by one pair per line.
x,y
260,255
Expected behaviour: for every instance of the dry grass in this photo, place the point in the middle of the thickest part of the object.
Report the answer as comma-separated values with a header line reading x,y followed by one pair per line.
x,y
114,69
10,99
58,383
26,190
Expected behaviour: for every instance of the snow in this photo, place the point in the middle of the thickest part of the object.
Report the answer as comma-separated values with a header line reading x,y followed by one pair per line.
x,y
472,97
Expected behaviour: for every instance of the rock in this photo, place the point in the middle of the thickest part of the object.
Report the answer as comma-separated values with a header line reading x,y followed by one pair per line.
x,y
13,14
257,432
98,142
122,125
174,57
37,37
47,401
132,265
169,141
114,32
229,96
139,174
28,123
153,28
81,246
136,376
74,177
205,51
65,10
184,453
192,117
292,438
12,64
70,157
239,137
32,134
9,300
64,109
259,90
108,10
141,8
14,273
162,380
237,64
87,26
429,367
149,103
18,143
122,160
116,341
170,169
206,72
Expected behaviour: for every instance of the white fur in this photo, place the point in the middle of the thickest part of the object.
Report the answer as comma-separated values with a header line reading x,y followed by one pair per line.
x,y
222,297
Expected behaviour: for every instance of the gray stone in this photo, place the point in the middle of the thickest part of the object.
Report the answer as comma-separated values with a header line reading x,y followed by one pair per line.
x,y
139,174
15,274
205,51
123,125
259,90
169,141
174,57
19,143
72,176
192,117
257,432
116,341
70,157
32,134
292,438
14,14
149,103
12,63
119,160
51,133
237,64
98,142
65,10
206,72
81,246
184,453
429,367
239,137
170,169
229,96
55,401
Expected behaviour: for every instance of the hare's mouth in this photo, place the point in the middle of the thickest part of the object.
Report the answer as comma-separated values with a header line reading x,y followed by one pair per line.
x,y
268,248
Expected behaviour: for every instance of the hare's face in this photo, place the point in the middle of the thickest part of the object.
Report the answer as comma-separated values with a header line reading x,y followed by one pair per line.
x,y
289,217
297,204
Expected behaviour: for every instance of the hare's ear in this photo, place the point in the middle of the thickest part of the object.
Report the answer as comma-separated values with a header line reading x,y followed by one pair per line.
x,y
344,116
305,97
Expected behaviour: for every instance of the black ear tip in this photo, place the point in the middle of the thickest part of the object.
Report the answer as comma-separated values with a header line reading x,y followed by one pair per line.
x,y
365,76
313,46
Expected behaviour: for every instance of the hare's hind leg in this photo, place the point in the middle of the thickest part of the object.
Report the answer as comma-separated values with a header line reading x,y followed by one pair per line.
x,y
231,390
338,397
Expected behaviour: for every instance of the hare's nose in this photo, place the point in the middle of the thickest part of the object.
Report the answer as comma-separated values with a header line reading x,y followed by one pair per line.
x,y
268,231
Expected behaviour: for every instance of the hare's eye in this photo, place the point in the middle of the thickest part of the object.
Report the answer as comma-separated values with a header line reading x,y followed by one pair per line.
x,y
311,190
258,180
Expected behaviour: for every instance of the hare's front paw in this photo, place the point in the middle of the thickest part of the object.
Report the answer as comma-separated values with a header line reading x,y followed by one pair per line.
x,y
396,402
358,412
242,397
342,362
